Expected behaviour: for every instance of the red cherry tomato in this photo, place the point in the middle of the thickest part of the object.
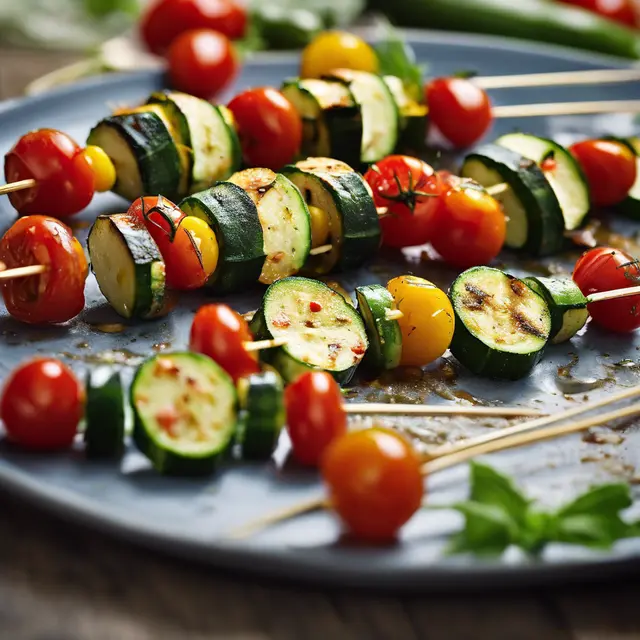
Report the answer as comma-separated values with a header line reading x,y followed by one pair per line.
x,y
42,404
315,415
57,295
63,174
610,168
408,188
202,62
374,482
619,10
607,269
470,226
270,128
219,332
188,246
459,109
165,20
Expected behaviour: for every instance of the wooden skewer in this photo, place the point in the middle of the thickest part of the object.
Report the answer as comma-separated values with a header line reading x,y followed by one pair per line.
x,y
259,345
382,408
599,76
323,248
17,186
615,293
497,189
393,314
22,272
565,108
450,455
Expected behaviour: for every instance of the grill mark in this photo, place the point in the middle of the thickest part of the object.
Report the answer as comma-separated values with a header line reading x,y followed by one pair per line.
x,y
478,297
525,325
518,287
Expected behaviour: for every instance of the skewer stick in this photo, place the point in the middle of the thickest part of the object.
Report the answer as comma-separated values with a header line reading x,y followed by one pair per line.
x,y
497,189
259,345
393,314
17,186
382,408
565,108
613,294
520,439
565,78
22,272
323,248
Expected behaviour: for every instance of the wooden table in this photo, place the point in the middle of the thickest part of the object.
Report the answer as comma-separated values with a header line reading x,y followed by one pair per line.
x,y
62,582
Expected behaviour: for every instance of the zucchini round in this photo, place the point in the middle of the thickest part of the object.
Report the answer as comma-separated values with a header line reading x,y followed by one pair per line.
x,y
535,221
128,266
567,306
385,336
185,413
339,191
414,120
232,215
501,325
104,414
262,418
323,330
630,206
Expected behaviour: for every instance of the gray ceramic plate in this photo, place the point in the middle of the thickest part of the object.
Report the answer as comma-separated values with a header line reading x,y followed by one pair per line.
x,y
190,517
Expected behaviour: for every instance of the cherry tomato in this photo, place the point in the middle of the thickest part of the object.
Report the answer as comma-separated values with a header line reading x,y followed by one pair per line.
x,y
428,321
621,11
202,62
470,226
607,269
57,295
104,173
161,217
315,415
459,109
409,189
374,482
62,172
42,404
610,168
165,20
270,128
332,50
219,332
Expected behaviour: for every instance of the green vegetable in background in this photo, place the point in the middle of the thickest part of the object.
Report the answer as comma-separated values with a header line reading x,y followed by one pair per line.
x,y
397,58
529,19
498,515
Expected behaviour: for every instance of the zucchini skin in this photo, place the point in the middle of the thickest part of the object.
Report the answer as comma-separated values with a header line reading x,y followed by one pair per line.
x,y
545,233
154,149
479,357
630,206
104,414
385,336
171,462
234,219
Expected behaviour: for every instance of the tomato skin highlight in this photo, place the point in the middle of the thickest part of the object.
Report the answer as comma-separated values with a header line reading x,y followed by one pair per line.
x,y
332,50
57,295
202,62
269,127
42,403
409,189
374,482
607,269
469,227
315,415
165,20
459,109
64,176
219,332
618,10
610,168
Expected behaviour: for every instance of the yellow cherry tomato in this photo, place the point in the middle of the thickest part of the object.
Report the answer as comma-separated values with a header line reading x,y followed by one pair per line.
x,y
104,173
319,226
428,320
205,240
337,50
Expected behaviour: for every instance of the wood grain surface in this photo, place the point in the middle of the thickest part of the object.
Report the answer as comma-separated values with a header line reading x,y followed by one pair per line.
x,y
63,582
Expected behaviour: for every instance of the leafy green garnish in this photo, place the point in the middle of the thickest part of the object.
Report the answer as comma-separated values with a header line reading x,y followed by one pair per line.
x,y
397,58
498,515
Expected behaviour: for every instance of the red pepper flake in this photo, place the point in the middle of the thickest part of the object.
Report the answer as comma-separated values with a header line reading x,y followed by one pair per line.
x,y
166,366
167,418
315,306
549,165
281,321
359,349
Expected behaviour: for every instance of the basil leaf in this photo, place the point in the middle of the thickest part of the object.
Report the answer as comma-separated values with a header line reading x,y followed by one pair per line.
x,y
490,487
605,500
591,530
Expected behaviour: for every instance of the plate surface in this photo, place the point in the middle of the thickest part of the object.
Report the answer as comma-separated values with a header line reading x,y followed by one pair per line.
x,y
191,517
